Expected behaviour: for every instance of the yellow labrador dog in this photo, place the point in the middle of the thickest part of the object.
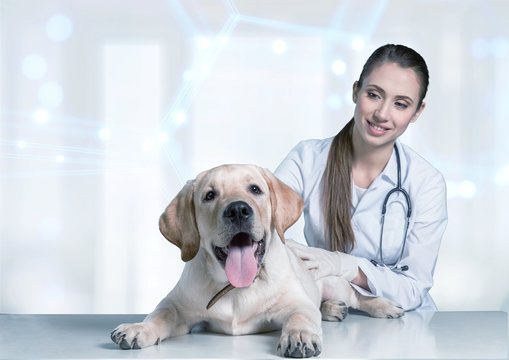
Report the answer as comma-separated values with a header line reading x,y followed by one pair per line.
x,y
229,224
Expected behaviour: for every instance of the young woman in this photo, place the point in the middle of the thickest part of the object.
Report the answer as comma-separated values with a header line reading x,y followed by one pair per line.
x,y
375,211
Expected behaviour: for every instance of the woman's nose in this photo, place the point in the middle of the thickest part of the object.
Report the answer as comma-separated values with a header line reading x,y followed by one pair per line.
x,y
383,112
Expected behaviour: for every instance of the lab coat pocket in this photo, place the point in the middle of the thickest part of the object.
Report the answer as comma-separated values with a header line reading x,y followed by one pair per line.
x,y
394,230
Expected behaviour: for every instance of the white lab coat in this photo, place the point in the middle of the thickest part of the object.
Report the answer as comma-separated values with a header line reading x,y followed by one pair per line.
x,y
302,170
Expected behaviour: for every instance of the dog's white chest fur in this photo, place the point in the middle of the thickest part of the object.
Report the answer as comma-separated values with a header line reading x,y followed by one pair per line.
x,y
235,315
259,307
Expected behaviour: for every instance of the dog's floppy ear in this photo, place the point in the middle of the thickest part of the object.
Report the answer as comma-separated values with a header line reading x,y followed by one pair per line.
x,y
178,223
286,204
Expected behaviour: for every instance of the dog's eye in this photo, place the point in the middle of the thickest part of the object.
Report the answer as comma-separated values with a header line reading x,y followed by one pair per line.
x,y
210,195
255,189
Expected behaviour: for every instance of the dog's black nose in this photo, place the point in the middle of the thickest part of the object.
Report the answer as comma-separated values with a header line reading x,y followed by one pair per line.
x,y
238,212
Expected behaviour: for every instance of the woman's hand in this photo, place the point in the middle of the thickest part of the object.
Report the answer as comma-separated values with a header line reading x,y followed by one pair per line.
x,y
325,263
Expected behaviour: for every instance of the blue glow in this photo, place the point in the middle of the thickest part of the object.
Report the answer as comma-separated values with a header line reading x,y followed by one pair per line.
x,y
188,75
182,16
231,6
51,94
194,76
163,137
502,176
147,146
50,227
279,46
500,47
180,118
224,39
348,97
34,67
467,189
59,28
204,68
358,43
104,134
41,116
335,101
479,48
376,14
483,47
202,42
294,28
452,189
338,67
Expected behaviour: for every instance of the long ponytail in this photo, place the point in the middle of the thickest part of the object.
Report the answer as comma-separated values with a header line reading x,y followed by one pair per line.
x,y
337,192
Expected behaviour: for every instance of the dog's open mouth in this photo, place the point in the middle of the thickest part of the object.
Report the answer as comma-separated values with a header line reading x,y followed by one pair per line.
x,y
241,258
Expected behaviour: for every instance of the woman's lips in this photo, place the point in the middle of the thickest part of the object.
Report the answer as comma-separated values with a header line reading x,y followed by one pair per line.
x,y
375,130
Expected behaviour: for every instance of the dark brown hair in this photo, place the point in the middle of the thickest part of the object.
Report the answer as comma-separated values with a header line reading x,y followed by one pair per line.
x,y
337,181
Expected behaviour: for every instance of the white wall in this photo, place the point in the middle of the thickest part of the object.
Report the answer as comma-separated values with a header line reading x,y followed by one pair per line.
x,y
122,101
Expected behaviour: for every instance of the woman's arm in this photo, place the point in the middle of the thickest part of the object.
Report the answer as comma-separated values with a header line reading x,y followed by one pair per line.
x,y
409,288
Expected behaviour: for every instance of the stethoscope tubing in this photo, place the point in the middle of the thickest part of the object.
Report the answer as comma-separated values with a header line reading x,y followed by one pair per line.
x,y
397,189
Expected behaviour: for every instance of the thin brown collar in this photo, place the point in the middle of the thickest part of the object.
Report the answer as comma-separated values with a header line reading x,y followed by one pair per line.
x,y
226,289
219,295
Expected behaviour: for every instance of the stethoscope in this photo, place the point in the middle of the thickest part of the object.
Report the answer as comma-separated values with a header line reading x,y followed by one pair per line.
x,y
397,266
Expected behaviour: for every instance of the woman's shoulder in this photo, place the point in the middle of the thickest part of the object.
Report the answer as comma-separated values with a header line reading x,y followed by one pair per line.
x,y
304,164
313,147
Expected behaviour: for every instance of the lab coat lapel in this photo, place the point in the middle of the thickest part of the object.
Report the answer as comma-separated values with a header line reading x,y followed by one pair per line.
x,y
373,197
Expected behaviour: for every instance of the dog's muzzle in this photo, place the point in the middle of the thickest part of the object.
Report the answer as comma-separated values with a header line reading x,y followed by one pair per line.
x,y
241,258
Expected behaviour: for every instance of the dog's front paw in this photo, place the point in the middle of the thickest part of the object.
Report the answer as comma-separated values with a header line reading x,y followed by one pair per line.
x,y
333,310
134,336
383,308
299,344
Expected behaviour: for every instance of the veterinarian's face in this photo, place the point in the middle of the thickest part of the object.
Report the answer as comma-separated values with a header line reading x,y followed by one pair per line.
x,y
386,103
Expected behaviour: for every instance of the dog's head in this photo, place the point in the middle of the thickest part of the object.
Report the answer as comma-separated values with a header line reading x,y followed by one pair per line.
x,y
231,211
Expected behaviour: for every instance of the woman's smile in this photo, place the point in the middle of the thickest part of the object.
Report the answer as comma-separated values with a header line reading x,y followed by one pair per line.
x,y
376,130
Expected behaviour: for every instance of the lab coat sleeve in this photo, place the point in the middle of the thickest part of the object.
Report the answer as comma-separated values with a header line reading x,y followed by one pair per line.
x,y
409,288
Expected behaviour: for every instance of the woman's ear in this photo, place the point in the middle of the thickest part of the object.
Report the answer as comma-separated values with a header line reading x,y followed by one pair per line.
x,y
355,91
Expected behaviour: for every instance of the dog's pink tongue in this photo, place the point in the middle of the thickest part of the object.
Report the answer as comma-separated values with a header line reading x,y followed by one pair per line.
x,y
241,264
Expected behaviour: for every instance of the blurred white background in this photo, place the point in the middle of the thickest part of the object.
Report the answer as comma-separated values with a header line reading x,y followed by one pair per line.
x,y
107,107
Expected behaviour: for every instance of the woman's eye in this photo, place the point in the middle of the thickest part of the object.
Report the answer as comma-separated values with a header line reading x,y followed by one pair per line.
x,y
372,95
401,105
255,189
210,195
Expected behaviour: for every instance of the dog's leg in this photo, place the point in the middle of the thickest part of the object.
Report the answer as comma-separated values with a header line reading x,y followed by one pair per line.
x,y
336,290
378,307
337,297
301,335
164,322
